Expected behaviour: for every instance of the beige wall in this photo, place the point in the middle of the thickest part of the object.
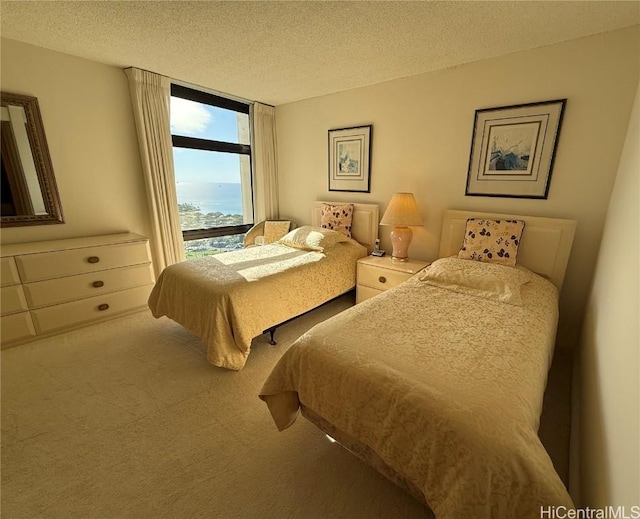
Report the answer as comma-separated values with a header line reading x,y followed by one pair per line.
x,y
422,129
89,126
609,398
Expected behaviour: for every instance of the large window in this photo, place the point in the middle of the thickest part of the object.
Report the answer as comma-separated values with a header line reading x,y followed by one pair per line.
x,y
212,160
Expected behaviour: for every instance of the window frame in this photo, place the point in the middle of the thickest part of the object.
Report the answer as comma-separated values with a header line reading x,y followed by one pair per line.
x,y
180,141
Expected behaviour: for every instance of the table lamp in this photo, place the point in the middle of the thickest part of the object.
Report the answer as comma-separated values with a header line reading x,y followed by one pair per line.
x,y
401,212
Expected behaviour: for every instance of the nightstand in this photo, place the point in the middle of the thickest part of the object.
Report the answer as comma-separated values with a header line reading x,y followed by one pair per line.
x,y
377,274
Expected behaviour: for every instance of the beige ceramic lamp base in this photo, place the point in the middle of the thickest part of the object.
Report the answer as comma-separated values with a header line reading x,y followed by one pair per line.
x,y
401,238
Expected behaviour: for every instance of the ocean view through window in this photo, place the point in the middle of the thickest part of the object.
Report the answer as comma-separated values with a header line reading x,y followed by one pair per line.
x,y
212,163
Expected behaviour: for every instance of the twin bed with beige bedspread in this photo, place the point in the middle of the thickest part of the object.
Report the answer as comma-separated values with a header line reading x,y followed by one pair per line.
x,y
439,382
444,386
230,298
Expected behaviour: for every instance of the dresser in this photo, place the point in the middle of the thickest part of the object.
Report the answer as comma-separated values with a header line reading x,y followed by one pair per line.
x,y
52,286
377,274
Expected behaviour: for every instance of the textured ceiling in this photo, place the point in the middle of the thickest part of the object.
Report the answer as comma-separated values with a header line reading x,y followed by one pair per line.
x,y
279,52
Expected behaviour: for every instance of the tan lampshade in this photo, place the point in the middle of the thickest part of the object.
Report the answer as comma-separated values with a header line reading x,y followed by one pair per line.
x,y
402,211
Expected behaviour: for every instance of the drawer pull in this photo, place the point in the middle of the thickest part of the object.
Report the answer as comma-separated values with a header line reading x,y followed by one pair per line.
x,y
382,279
103,307
97,284
93,259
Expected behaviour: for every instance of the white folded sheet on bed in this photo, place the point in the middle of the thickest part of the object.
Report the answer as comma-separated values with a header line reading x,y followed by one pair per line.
x,y
230,298
444,385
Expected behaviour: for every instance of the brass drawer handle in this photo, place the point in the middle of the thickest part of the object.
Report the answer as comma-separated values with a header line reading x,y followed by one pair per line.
x,y
103,307
382,279
93,259
97,284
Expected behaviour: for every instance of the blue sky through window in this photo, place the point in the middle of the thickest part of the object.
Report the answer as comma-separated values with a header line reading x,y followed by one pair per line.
x,y
192,119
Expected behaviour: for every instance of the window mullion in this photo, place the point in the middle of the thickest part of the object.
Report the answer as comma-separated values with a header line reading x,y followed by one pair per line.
x,y
194,143
214,232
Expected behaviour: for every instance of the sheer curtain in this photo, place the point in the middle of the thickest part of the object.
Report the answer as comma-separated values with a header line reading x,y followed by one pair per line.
x,y
150,96
266,179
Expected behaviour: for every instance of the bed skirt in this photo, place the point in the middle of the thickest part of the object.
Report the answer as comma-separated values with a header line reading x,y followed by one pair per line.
x,y
367,455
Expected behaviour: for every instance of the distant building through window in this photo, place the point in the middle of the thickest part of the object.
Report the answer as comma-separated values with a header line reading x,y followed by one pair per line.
x,y
212,161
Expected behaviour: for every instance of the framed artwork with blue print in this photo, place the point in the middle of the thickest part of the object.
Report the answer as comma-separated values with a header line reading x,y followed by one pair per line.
x,y
350,159
513,149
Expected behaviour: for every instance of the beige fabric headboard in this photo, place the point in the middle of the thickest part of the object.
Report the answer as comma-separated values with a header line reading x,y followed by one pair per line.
x,y
364,226
544,248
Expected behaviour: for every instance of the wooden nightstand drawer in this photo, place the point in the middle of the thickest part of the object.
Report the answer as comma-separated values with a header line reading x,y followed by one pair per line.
x,y
377,274
380,278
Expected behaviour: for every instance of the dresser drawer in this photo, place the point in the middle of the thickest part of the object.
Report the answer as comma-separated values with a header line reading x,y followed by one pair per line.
x,y
35,267
77,312
63,290
8,272
12,300
16,326
380,278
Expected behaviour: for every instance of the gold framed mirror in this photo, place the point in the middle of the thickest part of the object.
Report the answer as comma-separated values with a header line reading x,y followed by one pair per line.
x,y
29,192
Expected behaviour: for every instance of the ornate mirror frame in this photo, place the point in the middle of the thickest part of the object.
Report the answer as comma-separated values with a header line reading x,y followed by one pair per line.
x,y
52,212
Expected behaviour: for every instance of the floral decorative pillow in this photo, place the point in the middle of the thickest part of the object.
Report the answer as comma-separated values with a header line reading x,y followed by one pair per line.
x,y
312,238
493,241
337,218
274,230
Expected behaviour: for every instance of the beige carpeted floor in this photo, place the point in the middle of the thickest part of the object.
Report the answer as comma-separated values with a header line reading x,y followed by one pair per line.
x,y
126,419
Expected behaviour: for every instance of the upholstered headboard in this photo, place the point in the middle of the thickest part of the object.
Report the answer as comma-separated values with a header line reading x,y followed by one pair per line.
x,y
364,226
544,248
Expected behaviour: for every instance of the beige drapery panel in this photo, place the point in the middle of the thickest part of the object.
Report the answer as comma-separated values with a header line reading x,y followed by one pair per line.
x,y
265,184
150,96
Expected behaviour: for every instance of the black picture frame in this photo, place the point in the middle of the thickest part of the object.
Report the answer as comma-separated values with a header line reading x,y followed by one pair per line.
x,y
513,150
350,159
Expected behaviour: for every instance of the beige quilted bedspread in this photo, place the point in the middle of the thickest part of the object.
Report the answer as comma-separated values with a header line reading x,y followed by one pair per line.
x,y
230,298
445,387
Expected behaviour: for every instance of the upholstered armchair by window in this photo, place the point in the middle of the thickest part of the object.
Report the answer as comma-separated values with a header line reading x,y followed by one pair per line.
x,y
267,231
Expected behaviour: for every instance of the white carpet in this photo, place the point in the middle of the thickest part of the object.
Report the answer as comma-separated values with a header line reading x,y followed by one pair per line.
x,y
128,419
